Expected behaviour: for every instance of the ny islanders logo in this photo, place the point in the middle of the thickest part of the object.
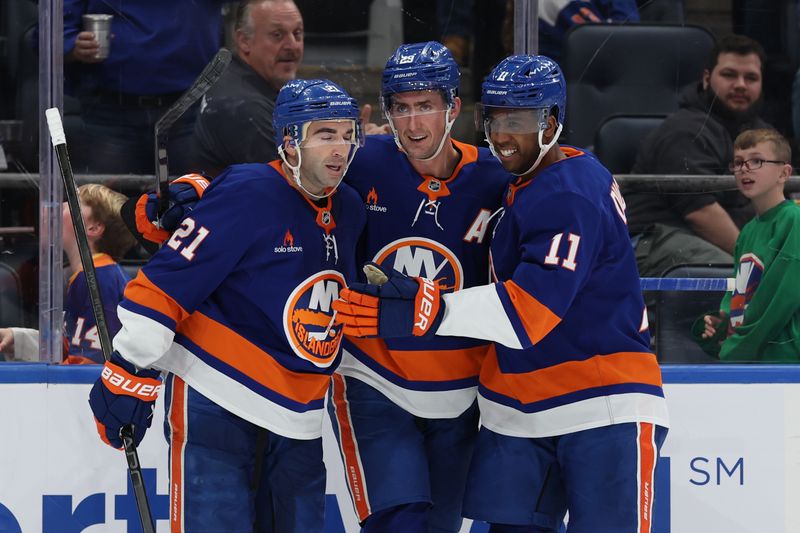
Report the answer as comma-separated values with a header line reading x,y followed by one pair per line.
x,y
751,268
417,256
308,318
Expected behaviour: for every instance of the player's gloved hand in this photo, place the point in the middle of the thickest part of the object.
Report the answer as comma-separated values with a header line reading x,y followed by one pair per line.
x,y
123,396
183,194
400,307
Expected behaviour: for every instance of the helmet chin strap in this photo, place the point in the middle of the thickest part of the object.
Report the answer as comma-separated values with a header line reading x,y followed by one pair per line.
x,y
296,172
448,124
543,149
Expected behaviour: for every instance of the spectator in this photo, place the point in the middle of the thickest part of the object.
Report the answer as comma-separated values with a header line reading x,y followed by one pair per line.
x,y
760,319
556,17
235,121
109,239
671,229
157,51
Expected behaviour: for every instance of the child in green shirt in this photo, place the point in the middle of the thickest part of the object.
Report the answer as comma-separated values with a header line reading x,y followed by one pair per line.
x,y
759,320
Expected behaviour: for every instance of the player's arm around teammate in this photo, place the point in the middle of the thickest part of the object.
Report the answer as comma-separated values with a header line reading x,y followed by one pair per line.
x,y
572,407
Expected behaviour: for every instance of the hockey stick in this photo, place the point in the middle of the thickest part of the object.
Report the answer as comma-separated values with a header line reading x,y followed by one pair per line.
x,y
126,433
201,85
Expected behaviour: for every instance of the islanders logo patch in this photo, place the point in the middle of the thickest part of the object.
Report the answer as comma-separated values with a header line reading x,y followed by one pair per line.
x,y
421,257
308,318
751,268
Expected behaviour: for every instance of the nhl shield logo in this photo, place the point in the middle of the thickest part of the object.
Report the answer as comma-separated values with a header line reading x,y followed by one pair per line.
x,y
434,185
326,217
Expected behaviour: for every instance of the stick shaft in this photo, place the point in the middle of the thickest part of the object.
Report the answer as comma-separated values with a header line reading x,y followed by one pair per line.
x,y
207,78
132,457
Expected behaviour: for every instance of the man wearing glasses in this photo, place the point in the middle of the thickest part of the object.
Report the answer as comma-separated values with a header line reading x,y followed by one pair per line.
x,y
672,229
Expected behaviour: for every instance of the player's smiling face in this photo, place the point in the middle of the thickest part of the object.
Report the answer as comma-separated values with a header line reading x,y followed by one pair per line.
x,y
326,149
419,118
514,135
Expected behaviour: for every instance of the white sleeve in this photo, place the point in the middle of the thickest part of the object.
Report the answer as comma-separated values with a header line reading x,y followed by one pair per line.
x,y
141,340
477,313
26,344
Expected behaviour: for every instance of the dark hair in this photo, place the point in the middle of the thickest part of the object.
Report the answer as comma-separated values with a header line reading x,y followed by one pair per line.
x,y
739,45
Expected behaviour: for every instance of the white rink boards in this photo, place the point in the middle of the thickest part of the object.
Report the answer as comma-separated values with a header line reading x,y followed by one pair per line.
x,y
731,461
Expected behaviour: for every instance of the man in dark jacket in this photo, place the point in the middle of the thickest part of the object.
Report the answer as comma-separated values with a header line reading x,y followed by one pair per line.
x,y
235,121
671,229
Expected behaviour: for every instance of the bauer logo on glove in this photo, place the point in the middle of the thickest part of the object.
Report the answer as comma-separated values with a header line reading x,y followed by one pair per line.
x,y
391,305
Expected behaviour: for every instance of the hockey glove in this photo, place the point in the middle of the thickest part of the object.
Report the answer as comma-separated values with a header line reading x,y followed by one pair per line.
x,y
123,396
400,307
183,194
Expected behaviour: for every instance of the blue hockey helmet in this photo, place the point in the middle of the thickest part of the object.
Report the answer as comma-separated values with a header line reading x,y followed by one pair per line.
x,y
420,67
302,101
524,81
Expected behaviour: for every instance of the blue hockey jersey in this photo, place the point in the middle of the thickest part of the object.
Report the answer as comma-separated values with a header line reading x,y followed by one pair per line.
x,y
566,310
238,301
434,228
80,327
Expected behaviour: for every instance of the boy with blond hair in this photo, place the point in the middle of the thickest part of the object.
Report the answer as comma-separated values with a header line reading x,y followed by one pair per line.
x,y
109,239
760,319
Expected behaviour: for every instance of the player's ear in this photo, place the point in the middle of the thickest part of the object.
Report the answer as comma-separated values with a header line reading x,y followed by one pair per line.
x,y
550,131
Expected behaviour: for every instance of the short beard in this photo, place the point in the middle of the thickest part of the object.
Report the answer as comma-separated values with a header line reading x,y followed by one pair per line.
x,y
717,106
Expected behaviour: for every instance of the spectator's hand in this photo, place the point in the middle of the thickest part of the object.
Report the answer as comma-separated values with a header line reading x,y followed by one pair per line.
x,y
6,340
370,128
86,49
711,325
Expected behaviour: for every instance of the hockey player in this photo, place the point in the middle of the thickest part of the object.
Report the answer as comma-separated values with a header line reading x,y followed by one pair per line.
x,y
572,408
404,410
235,309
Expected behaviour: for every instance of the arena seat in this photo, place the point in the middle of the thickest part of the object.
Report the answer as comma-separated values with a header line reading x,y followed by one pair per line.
x,y
676,311
627,68
617,140
669,11
11,308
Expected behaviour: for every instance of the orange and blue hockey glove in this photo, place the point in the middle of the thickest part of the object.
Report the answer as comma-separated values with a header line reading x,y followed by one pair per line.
x,y
121,396
183,194
399,307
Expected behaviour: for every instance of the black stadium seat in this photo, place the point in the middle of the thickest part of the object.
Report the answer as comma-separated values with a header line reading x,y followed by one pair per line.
x,y
630,69
618,138
11,308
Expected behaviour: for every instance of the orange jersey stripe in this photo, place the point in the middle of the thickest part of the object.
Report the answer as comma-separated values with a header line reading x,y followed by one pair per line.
x,y
571,376
434,365
536,318
239,353
145,293
177,422
647,467
347,443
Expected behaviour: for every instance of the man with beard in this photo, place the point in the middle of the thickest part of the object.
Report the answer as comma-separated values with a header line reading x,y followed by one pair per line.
x,y
671,229
235,121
